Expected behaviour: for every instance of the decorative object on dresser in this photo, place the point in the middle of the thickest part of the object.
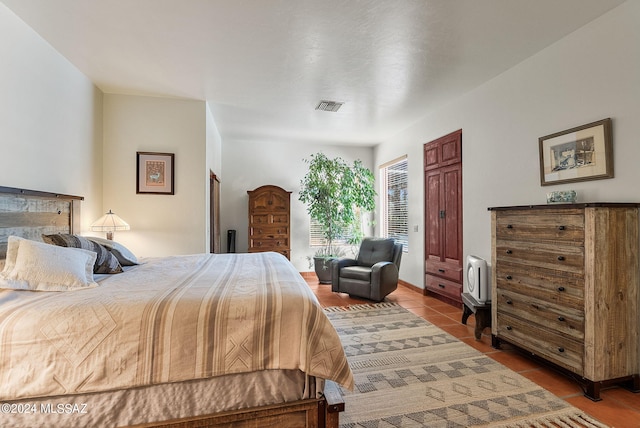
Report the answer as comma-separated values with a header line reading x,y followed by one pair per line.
x,y
443,217
155,173
269,220
562,197
565,288
577,154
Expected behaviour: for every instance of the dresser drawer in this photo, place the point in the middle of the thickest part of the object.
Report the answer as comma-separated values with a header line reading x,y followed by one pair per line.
x,y
548,225
266,244
442,286
280,218
443,269
262,218
562,288
569,258
262,232
542,342
563,320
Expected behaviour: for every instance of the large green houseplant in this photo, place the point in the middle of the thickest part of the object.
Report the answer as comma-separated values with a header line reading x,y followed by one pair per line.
x,y
334,192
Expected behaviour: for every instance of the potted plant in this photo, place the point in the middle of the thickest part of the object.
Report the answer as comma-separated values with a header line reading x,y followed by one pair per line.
x,y
334,192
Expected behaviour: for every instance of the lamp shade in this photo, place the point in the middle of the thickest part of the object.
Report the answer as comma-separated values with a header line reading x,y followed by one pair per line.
x,y
109,223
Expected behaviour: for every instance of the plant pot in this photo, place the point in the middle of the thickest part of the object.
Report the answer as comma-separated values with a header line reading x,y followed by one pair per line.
x,y
323,269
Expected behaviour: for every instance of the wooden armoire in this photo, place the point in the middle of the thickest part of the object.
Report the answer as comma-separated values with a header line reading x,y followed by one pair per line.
x,y
269,220
443,217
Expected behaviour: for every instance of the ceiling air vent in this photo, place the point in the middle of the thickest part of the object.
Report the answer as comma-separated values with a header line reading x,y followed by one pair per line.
x,y
325,105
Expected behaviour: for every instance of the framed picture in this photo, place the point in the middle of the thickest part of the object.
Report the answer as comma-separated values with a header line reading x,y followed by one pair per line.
x,y
577,154
154,173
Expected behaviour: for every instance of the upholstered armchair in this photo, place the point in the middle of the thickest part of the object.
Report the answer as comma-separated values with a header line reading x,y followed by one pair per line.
x,y
373,275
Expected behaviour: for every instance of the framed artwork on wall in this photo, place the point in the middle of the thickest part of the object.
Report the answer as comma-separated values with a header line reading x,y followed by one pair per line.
x,y
577,154
155,173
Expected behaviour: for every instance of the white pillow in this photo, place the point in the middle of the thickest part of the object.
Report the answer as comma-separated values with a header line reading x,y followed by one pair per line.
x,y
43,267
122,253
12,251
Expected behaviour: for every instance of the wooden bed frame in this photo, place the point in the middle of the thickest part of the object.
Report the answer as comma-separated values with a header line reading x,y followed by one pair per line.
x,y
30,213
311,413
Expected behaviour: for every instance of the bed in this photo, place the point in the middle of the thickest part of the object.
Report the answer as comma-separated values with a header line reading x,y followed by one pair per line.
x,y
185,341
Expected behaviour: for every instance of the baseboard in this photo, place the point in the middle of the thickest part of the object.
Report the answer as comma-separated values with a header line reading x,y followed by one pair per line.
x,y
411,286
312,275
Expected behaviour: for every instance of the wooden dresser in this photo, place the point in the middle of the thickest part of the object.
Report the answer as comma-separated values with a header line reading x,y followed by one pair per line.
x,y
565,288
269,220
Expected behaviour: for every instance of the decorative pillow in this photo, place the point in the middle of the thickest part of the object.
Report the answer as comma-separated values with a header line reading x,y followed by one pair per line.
x,y
43,267
122,253
12,251
105,261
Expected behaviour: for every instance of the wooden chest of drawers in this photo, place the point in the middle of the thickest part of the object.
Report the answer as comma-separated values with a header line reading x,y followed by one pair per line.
x,y
269,220
565,287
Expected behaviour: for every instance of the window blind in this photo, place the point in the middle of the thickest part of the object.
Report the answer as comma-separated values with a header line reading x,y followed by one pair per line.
x,y
395,203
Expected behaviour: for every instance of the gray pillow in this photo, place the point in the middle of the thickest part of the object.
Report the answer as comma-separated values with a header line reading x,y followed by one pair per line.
x,y
122,253
105,261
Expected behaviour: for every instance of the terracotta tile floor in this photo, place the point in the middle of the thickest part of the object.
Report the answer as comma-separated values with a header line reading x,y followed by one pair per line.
x,y
619,408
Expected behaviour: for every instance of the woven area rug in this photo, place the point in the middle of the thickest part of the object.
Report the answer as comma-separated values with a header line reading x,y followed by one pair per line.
x,y
410,373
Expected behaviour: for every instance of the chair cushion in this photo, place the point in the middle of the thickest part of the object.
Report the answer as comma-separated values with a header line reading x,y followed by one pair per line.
x,y
361,273
374,250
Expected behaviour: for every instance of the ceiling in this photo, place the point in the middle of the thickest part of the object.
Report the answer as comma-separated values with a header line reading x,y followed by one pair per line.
x,y
263,65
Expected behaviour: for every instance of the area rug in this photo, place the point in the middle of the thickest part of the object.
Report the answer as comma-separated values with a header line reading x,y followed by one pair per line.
x,y
410,373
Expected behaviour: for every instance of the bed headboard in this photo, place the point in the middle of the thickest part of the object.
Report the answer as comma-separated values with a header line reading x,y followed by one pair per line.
x,y
30,213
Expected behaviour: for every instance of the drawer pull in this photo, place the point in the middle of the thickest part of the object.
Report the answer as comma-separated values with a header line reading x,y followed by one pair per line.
x,y
441,270
442,286
560,318
509,252
509,302
561,258
509,277
561,227
509,327
509,226
560,349
561,289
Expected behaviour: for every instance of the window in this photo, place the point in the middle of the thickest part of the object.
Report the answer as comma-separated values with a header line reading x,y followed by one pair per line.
x,y
317,239
395,201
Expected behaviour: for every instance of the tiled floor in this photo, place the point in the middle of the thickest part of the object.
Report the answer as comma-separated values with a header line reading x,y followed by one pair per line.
x,y
618,408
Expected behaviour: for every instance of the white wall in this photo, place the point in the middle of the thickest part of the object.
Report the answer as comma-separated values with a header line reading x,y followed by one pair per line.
x,y
50,119
248,165
592,74
160,224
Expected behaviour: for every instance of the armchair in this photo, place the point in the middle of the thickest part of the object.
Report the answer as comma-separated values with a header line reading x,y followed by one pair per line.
x,y
373,275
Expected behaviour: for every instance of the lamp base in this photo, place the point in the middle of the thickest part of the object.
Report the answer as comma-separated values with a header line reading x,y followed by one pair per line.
x,y
110,236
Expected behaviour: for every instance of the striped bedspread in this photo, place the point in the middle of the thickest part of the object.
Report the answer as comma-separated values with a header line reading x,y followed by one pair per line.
x,y
169,319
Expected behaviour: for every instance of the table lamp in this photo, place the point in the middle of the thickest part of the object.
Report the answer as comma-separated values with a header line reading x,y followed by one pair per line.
x,y
109,223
